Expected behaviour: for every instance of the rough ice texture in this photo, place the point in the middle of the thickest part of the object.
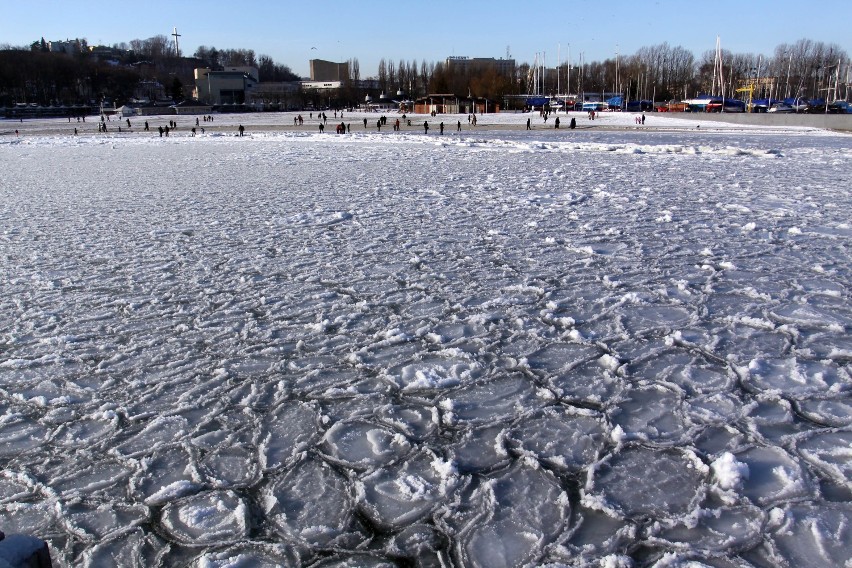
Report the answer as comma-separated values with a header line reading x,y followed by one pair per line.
x,y
493,348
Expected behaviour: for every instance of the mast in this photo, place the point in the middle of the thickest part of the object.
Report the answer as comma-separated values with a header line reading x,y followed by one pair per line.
x,y
568,89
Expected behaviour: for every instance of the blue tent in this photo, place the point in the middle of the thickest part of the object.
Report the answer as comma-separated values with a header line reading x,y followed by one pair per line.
x,y
537,101
637,106
615,102
765,102
734,105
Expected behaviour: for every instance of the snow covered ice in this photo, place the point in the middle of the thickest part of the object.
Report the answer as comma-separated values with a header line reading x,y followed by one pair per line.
x,y
603,347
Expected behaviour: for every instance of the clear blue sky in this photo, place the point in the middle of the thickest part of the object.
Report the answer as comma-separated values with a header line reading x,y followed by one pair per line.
x,y
288,31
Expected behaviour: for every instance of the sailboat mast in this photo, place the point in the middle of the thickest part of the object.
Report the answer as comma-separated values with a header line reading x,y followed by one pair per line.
x,y
715,67
568,89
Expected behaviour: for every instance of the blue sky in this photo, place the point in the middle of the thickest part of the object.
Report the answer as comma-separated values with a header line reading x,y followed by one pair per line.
x,y
289,31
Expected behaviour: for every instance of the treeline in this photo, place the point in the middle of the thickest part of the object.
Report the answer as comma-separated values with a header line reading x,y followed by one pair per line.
x,y
806,68
33,74
267,68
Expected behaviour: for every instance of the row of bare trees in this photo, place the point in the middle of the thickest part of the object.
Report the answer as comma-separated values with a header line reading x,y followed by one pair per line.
x,y
806,68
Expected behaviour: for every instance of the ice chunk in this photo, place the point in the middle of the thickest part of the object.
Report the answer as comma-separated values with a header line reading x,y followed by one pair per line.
x,y
566,440
481,449
831,452
689,371
815,535
403,493
96,522
433,373
235,466
421,543
774,476
103,477
716,439
134,548
652,413
639,319
214,517
355,560
37,518
561,357
716,530
493,401
639,481
518,513
309,503
165,476
362,445
162,431
597,534
833,412
287,431
16,486
587,383
795,377
85,431
716,409
19,437
415,421
728,472
253,555
804,315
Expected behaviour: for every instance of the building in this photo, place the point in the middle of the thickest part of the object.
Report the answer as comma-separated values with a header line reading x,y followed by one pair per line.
x,y
231,86
465,65
285,95
321,85
149,92
69,46
328,71
448,103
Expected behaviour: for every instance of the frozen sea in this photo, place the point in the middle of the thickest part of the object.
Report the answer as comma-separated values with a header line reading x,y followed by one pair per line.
x,y
614,346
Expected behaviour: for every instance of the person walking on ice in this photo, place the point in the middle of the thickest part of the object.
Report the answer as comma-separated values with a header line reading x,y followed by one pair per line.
x,y
425,127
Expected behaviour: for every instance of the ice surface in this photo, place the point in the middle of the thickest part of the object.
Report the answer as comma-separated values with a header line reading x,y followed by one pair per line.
x,y
514,516
252,555
218,517
399,495
614,346
310,503
361,445
637,482
814,535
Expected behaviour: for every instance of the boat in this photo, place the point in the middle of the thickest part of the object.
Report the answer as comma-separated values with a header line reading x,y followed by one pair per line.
x,y
710,103
781,108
